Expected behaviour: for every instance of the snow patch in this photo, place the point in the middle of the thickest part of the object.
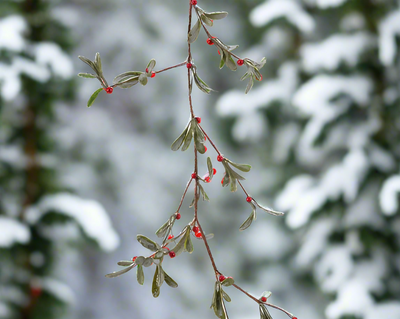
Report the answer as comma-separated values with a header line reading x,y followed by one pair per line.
x,y
11,33
89,214
384,310
325,4
4,310
275,9
338,48
59,289
389,28
12,231
388,195
51,54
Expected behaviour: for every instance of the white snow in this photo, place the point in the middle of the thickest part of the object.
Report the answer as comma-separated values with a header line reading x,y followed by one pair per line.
x,y
389,28
59,289
11,33
275,9
12,231
89,214
336,49
48,53
384,310
245,106
325,4
4,310
388,195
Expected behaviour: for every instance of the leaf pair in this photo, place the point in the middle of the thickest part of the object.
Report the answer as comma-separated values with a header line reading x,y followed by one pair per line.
x,y
128,79
159,277
166,228
253,72
230,176
218,304
203,86
226,56
208,18
246,224
129,264
184,243
191,130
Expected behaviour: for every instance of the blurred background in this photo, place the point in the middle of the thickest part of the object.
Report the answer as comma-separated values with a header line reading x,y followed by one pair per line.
x,y
321,132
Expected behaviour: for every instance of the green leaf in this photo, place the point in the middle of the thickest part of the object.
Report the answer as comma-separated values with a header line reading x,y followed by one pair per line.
x,y
88,62
249,85
207,20
97,62
140,260
188,244
119,273
245,76
155,287
179,141
210,168
246,224
217,304
243,167
264,313
88,75
140,275
257,75
170,282
266,294
269,210
125,263
229,62
162,231
226,296
150,66
222,62
188,138
147,243
228,282
203,193
147,262
128,82
126,76
180,246
226,180
93,97
194,32
218,15
143,79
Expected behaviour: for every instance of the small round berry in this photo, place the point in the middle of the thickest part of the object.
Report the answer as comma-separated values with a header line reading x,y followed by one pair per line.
x,y
222,180
188,65
172,254
170,237
240,62
294,317
194,175
198,235
147,70
194,2
220,158
134,258
153,74
214,171
207,179
210,42
222,278
195,229
248,199
219,52
198,119
205,138
36,292
264,299
109,90
205,149
178,216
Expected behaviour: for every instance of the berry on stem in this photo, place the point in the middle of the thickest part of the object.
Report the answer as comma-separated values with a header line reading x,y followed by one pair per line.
x,y
194,2
205,149
210,42
194,175
198,119
172,254
214,171
222,278
109,90
153,74
134,258
249,199
207,179
147,70
195,229
188,65
170,236
198,235
220,158
264,299
178,216
240,62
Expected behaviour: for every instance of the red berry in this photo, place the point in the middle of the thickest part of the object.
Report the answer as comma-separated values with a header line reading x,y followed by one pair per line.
x,y
153,74
207,179
178,216
222,180
219,52
294,317
188,65
36,292
220,158
194,175
222,278
214,171
172,254
147,70
194,2
198,235
170,237
205,149
248,199
240,62
263,299
205,138
198,119
109,90
195,229
209,41
134,258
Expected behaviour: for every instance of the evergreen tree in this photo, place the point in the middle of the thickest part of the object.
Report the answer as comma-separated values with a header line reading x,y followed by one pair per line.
x,y
334,65
35,208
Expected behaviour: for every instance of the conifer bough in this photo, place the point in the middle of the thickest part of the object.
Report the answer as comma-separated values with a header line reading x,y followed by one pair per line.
x,y
173,245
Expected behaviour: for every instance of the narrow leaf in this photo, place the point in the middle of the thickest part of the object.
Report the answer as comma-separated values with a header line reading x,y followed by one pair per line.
x,y
125,263
140,275
229,62
147,243
222,61
249,85
246,224
147,262
126,75
218,15
269,210
179,141
161,232
188,244
155,287
170,282
210,168
119,273
207,20
194,32
93,97
140,260
228,282
264,313
150,66
180,246
88,62
243,167
143,79
88,75
226,296
188,138
203,193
